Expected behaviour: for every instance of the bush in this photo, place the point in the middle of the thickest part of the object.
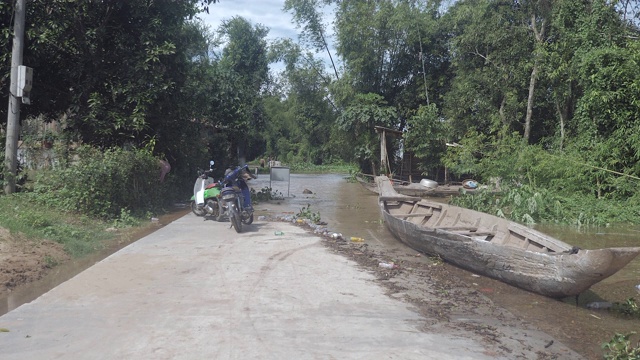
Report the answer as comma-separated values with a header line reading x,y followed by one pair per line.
x,y
103,183
530,205
620,348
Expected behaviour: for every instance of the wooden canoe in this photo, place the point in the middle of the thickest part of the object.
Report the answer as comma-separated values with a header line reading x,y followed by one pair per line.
x,y
412,189
496,247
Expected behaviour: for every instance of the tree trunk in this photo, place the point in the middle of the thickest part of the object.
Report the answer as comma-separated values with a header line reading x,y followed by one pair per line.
x,y
539,41
503,118
562,115
532,88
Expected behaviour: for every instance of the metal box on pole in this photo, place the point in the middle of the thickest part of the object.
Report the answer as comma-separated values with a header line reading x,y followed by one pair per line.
x,y
25,81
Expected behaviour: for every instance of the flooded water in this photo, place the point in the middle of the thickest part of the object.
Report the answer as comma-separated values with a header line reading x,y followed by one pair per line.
x,y
353,211
350,209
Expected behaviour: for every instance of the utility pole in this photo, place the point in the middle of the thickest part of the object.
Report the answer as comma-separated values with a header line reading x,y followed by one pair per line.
x,y
13,114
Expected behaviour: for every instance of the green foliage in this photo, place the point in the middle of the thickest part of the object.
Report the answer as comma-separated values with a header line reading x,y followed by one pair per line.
x,y
359,121
105,183
487,156
540,186
24,213
300,125
426,136
306,213
265,194
629,307
126,219
620,348
491,54
531,205
108,65
307,168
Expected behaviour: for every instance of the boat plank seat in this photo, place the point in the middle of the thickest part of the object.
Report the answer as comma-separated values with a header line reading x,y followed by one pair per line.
x,y
477,233
536,241
458,228
413,215
400,198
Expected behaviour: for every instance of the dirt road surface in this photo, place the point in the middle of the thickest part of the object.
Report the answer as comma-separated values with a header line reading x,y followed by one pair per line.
x,y
195,289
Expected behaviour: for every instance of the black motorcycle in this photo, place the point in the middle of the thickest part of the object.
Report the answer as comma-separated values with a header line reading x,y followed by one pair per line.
x,y
236,197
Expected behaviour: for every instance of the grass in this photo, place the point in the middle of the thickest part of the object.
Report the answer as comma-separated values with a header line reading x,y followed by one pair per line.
x,y
80,235
307,168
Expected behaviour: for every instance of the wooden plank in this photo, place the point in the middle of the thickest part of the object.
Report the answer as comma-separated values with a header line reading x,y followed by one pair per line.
x,y
399,198
412,215
477,233
458,228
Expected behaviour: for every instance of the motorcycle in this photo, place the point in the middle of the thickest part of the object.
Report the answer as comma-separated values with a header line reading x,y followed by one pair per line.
x,y
206,194
236,197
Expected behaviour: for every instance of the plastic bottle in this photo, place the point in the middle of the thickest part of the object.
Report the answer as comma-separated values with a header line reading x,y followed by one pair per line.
x,y
357,239
278,233
599,305
386,265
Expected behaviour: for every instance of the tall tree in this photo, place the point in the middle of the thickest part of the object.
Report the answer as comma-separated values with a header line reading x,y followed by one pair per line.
x,y
308,15
489,49
105,64
311,135
245,58
359,120
539,13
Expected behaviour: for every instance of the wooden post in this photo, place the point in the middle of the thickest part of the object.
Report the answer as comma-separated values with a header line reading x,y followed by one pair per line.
x,y
13,114
383,153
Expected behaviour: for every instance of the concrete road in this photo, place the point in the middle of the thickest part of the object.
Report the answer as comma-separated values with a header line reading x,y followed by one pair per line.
x,y
196,289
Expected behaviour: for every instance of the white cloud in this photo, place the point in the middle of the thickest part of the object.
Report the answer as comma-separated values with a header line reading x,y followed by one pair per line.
x,y
268,13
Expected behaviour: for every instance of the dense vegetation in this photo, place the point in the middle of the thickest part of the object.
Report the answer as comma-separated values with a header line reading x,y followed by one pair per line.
x,y
542,95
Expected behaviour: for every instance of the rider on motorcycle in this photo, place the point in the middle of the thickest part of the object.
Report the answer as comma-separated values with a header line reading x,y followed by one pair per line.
x,y
239,177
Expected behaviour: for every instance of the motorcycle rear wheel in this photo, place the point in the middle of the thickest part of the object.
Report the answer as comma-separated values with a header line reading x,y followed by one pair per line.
x,y
234,216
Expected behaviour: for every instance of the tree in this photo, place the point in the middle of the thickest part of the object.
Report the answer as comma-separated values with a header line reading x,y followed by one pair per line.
x,y
107,63
309,109
244,59
426,136
307,14
488,49
385,49
359,120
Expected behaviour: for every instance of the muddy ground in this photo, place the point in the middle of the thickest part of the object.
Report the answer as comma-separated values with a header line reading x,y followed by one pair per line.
x,y
23,261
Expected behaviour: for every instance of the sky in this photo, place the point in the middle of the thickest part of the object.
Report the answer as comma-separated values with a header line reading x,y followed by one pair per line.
x,y
268,13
